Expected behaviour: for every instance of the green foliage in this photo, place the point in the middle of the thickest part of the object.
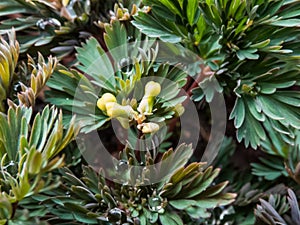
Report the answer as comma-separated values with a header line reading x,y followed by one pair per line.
x,y
29,151
11,70
246,50
253,49
251,180
269,167
188,189
171,21
54,25
275,164
9,53
40,73
279,209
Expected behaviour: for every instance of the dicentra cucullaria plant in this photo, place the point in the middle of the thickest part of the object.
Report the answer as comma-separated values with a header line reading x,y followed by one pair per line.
x,y
131,66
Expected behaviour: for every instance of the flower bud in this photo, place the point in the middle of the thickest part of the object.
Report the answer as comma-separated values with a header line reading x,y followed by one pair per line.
x,y
106,98
145,105
152,89
149,127
115,110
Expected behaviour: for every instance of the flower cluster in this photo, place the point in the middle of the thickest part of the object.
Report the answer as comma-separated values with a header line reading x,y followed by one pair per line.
x,y
131,111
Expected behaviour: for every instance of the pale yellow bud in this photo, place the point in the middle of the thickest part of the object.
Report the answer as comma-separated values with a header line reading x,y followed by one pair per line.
x,y
152,89
115,110
106,98
145,105
148,127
